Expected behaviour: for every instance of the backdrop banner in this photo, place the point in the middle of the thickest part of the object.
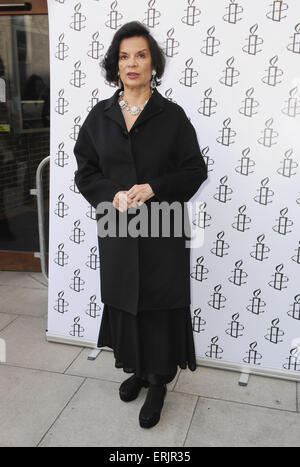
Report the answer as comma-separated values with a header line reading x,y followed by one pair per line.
x,y
234,68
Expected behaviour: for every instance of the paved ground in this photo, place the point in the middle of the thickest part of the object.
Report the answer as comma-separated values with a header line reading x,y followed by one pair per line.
x,y
51,395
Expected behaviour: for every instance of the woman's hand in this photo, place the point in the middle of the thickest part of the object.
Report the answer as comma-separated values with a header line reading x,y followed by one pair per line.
x,y
136,196
120,201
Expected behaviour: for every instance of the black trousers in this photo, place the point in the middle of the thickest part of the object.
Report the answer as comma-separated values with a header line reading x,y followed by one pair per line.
x,y
152,344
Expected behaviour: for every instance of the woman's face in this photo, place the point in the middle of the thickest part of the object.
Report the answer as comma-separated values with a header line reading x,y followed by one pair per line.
x,y
135,57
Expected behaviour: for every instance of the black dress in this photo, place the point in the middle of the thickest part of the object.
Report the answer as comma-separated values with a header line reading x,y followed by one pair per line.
x,y
151,344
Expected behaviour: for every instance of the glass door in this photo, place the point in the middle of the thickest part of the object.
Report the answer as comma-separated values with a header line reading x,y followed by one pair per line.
x,y
24,135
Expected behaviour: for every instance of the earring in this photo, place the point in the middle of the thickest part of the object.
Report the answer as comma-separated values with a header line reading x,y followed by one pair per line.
x,y
119,81
153,82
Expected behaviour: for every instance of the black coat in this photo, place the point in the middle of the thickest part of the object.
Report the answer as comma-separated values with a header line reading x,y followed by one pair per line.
x,y
161,149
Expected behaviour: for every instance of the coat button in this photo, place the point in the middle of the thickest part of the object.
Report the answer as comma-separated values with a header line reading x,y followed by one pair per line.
x,y
136,130
125,134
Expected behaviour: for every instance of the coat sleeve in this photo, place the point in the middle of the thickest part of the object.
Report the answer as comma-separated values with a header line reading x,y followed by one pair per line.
x,y
191,171
89,178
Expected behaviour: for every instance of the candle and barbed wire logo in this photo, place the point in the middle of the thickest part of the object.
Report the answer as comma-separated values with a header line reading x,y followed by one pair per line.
x,y
269,135
152,15
198,323
277,12
192,14
224,191
77,233
62,156
61,258
200,271
275,333
261,249
77,282
62,207
253,41
61,48
93,308
215,350
171,44
296,257
62,103
236,328
246,163
283,224
242,220
61,304
288,164
274,73
257,304
238,274
218,300
293,360
74,187
114,17
94,99
209,162
294,312
249,104
294,46
227,133
220,246
76,127
265,194
229,73
77,75
253,356
95,47
189,74
202,217
233,14
208,104
292,108
93,259
76,329
211,43
91,213
168,94
78,19
279,279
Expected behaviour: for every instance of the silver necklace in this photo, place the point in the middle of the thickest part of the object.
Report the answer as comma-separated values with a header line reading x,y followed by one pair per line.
x,y
133,109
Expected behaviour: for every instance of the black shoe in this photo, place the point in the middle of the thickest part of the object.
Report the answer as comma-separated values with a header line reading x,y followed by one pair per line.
x,y
131,387
150,411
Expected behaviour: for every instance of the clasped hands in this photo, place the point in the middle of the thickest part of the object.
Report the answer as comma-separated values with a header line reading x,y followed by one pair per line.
x,y
136,196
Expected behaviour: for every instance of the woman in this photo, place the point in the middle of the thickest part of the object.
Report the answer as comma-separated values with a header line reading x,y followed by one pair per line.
x,y
134,150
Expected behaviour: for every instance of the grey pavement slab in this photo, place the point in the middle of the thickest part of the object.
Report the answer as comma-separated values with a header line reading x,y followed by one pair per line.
x,y
26,346
30,402
96,416
223,384
33,280
23,300
218,423
6,319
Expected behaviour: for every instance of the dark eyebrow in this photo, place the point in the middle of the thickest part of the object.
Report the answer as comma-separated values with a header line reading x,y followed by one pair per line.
x,y
122,52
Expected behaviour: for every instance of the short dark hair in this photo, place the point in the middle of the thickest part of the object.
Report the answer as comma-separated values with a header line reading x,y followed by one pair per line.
x,y
134,28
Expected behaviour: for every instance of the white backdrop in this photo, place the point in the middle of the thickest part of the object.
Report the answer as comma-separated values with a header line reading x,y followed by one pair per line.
x,y
234,67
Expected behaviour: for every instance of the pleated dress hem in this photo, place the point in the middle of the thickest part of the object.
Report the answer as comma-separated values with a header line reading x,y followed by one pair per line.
x,y
152,344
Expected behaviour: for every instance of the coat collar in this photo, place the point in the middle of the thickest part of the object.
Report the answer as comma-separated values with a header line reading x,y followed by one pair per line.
x,y
154,105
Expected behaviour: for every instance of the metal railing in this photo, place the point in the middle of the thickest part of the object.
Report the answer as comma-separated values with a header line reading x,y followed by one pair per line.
x,y
38,192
